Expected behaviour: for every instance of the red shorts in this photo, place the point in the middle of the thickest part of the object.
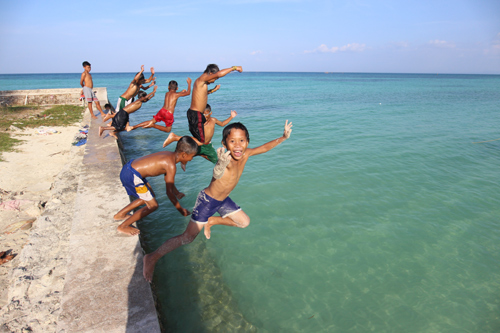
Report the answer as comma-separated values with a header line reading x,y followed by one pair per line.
x,y
166,116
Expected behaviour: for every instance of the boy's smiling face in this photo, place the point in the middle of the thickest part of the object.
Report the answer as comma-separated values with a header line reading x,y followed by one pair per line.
x,y
236,143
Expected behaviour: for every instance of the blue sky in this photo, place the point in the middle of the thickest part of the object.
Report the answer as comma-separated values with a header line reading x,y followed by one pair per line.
x,y
460,36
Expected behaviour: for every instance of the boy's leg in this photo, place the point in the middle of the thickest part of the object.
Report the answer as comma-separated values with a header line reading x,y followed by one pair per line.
x,y
239,219
91,111
144,124
98,105
109,116
171,138
192,230
105,128
125,227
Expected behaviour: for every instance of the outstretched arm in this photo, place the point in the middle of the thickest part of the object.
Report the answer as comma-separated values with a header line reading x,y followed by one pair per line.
x,y
150,95
224,72
146,88
138,75
185,92
152,76
225,122
271,144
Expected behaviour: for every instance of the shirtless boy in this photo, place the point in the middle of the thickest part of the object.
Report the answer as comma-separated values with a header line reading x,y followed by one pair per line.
x,y
199,98
205,150
215,198
134,87
87,86
166,113
120,119
133,177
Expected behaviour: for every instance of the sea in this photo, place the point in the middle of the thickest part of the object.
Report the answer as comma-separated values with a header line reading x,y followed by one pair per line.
x,y
381,212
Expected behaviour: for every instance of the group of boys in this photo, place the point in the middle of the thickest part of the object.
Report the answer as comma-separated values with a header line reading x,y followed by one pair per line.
x,y
227,171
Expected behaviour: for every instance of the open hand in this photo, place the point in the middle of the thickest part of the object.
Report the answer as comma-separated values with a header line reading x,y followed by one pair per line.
x,y
152,71
233,113
288,129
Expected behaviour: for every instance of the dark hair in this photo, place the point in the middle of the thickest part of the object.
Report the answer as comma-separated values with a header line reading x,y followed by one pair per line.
x,y
212,68
142,94
227,130
187,145
208,107
85,63
140,77
172,85
106,105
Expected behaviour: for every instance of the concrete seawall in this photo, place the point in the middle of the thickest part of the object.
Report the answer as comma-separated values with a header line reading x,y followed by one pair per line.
x,y
69,96
102,285
104,288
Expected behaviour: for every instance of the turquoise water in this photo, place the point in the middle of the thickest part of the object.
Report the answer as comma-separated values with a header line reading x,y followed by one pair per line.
x,y
378,214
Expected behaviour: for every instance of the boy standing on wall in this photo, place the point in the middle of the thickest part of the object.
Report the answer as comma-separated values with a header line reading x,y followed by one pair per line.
x,y
87,86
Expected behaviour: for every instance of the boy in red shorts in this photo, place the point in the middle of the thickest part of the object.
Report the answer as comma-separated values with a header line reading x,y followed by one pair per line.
x,y
166,113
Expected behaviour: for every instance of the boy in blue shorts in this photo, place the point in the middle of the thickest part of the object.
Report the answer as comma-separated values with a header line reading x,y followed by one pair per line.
x,y
215,198
133,177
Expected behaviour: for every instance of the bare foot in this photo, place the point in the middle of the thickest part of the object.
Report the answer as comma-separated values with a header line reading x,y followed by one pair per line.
x,y
148,267
113,134
183,166
128,230
93,116
128,128
100,130
179,195
169,140
206,230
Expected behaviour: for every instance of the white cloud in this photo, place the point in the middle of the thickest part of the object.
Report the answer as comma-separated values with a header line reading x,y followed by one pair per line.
x,y
256,52
354,47
441,43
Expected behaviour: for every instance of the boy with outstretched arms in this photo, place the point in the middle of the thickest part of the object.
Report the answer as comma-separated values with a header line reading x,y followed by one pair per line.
x,y
133,177
205,150
121,118
135,86
195,116
87,86
166,113
215,198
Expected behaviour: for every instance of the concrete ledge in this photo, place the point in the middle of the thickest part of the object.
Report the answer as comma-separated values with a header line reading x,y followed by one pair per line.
x,y
69,96
104,288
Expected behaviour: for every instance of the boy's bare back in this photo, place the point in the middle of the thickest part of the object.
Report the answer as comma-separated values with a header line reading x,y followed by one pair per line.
x,y
172,96
156,164
200,93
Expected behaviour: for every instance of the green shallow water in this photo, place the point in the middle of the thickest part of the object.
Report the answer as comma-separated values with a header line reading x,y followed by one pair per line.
x,y
378,214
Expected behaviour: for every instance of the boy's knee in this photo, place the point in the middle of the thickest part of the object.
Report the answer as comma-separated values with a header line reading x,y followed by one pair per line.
x,y
245,222
188,237
152,205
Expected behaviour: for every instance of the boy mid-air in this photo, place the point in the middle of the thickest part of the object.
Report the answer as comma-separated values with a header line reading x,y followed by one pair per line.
x,y
121,118
134,87
195,116
166,113
205,150
133,177
215,198
87,86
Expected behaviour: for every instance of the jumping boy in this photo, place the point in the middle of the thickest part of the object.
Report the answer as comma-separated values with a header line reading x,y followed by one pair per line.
x,y
87,86
205,150
135,86
195,116
166,113
121,118
215,198
133,177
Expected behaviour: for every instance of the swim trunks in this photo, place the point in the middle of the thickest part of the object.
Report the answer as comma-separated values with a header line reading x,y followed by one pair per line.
x,y
120,120
166,116
206,206
122,102
89,95
134,183
196,122
208,151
